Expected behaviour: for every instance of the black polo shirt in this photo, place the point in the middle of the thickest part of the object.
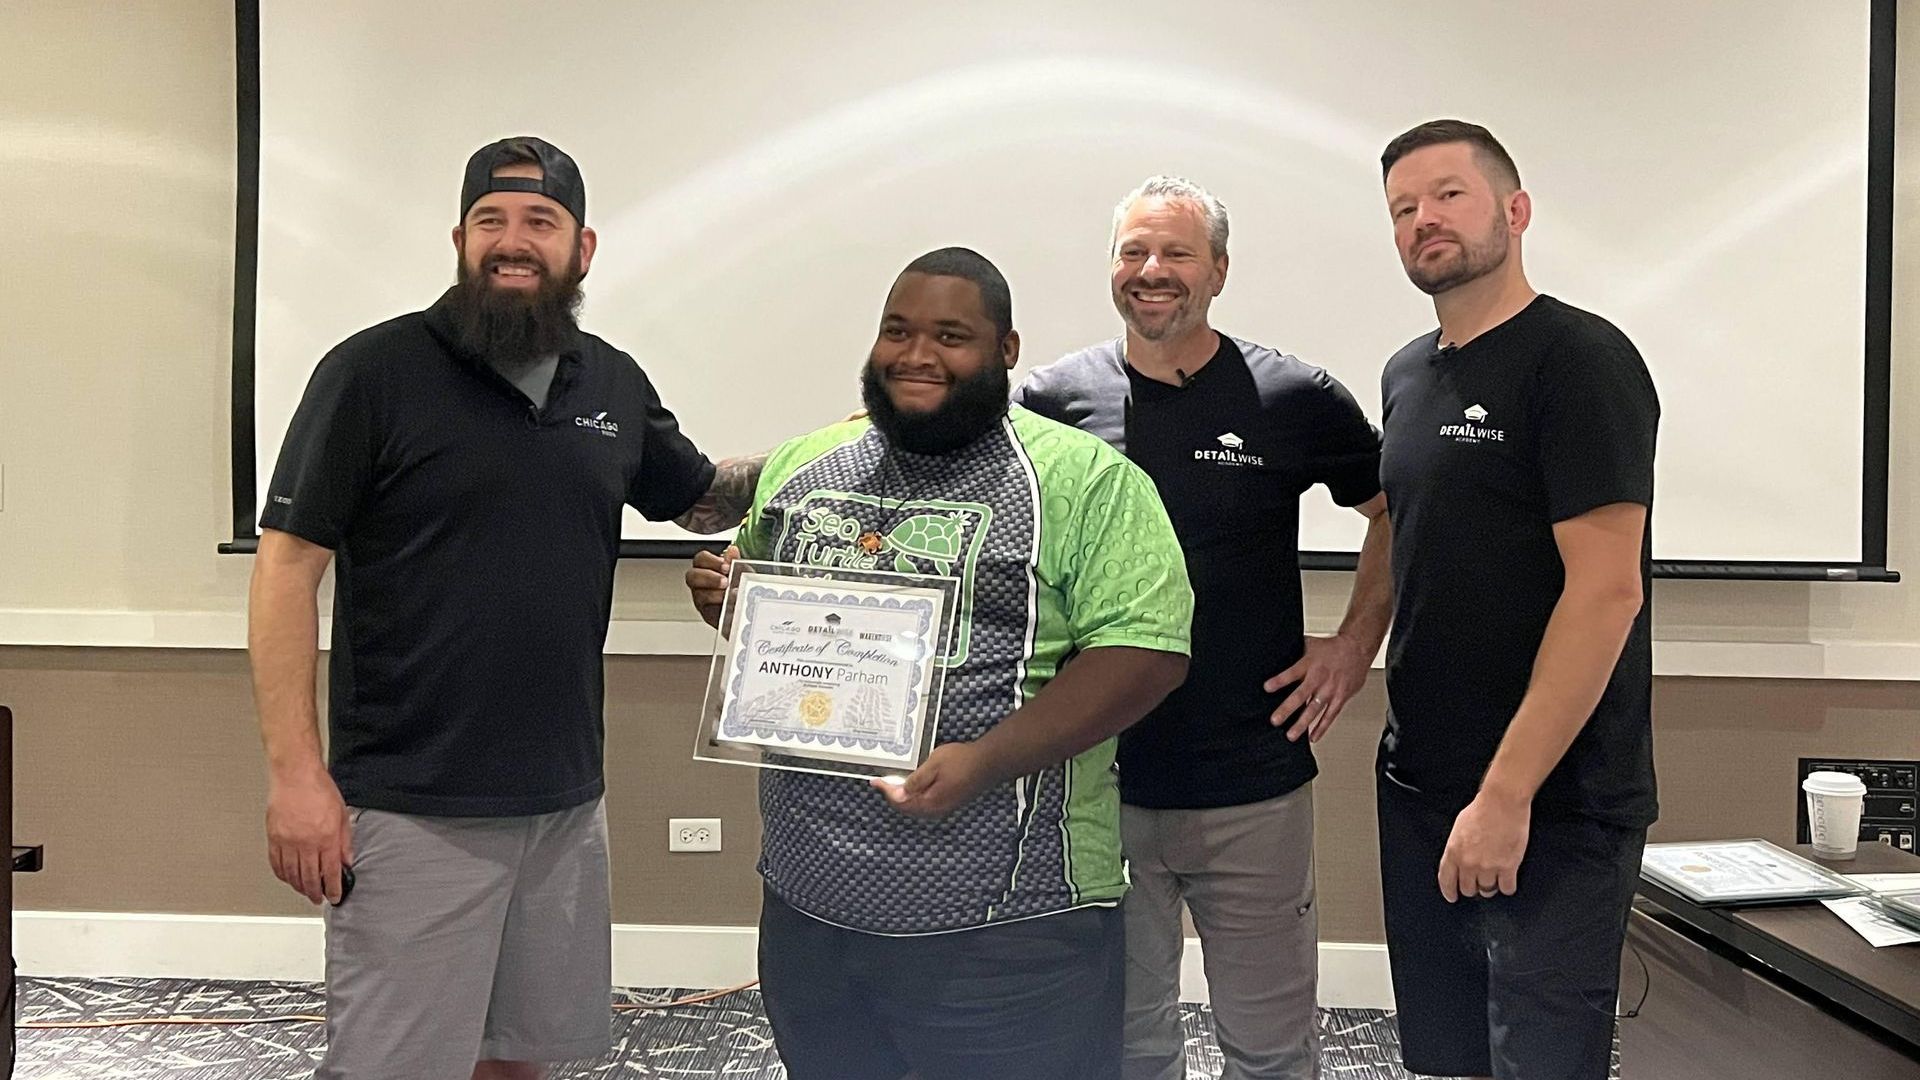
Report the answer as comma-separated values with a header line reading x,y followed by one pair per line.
x,y
474,539
1231,452
1486,447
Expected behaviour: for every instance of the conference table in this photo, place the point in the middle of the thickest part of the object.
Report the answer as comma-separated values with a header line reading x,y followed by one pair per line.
x,y
1768,993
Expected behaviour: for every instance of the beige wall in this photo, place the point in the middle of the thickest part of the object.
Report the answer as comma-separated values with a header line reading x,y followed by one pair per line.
x,y
138,767
139,770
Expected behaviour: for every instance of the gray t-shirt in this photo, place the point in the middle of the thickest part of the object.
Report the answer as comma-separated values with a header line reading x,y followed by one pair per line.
x,y
534,378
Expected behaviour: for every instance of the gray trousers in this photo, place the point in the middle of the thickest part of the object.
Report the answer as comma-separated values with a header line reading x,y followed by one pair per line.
x,y
1246,875
469,939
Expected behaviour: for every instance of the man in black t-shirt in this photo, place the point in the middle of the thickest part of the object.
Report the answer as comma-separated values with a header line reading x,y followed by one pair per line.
x,y
1516,772
1217,808
463,469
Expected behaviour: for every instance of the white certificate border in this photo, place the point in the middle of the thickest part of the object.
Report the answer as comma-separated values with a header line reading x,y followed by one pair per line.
x,y
926,603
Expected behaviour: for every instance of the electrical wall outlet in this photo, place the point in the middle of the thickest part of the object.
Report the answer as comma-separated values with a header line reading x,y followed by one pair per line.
x,y
693,834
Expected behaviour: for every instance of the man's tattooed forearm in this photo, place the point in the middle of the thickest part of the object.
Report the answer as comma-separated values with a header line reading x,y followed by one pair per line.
x,y
727,499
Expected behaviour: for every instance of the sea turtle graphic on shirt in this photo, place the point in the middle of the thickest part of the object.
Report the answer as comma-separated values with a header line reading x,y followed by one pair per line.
x,y
933,539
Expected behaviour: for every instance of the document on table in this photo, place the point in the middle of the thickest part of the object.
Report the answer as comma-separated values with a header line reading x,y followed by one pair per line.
x,y
1887,883
1879,928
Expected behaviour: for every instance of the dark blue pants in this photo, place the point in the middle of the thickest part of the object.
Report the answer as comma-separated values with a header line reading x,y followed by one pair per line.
x,y
1517,987
1039,999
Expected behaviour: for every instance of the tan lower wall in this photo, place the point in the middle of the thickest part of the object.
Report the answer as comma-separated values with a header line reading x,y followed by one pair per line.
x,y
140,771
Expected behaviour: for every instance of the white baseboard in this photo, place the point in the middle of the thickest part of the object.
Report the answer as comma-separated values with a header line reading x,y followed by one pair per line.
x,y
1353,975
689,956
93,944
140,945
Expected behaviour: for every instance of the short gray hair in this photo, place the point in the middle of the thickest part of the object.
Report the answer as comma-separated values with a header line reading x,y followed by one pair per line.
x,y
1176,187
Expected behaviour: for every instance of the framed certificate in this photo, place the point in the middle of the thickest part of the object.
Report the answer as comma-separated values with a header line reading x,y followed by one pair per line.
x,y
827,670
1740,872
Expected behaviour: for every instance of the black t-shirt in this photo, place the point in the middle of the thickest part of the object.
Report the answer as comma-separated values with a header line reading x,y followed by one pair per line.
x,y
474,537
1231,452
1486,447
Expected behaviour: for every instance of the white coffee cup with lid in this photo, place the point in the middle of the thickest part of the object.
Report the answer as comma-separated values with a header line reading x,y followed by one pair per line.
x,y
1834,803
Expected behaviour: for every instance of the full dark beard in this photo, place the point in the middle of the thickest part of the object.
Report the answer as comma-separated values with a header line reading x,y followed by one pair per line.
x,y
972,406
505,327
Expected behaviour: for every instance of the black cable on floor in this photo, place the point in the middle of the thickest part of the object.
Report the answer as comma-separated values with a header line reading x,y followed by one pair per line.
x,y
1646,985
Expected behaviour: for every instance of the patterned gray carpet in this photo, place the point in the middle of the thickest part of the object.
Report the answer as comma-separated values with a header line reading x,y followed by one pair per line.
x,y
727,1037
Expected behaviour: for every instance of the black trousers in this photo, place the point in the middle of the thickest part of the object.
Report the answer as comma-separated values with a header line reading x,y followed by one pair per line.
x,y
1519,987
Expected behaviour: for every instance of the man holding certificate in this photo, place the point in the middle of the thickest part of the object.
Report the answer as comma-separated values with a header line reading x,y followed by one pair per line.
x,y
962,921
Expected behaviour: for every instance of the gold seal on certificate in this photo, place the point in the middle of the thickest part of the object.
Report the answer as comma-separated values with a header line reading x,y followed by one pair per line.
x,y
827,669
816,708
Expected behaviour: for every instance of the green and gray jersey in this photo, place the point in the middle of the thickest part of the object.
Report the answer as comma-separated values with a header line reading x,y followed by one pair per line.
x,y
1061,545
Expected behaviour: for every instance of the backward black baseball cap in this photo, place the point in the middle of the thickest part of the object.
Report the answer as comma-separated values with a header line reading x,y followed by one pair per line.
x,y
559,177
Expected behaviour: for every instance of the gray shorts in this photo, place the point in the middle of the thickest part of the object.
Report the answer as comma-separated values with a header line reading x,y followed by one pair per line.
x,y
469,939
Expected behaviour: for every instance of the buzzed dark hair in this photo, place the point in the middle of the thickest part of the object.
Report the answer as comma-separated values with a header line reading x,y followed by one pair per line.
x,y
1494,159
970,265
